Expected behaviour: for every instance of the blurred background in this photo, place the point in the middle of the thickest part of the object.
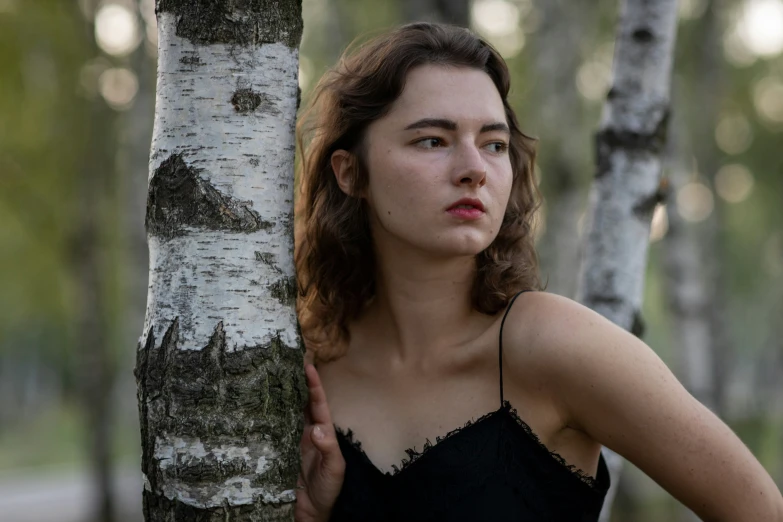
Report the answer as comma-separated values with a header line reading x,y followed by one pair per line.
x,y
77,91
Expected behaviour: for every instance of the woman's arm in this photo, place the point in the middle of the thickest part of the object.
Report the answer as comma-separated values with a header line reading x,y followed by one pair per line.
x,y
617,390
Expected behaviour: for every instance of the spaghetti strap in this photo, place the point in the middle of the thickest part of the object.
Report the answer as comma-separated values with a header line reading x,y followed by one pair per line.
x,y
500,342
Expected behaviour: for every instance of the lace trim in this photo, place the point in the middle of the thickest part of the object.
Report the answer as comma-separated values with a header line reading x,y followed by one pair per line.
x,y
580,474
414,455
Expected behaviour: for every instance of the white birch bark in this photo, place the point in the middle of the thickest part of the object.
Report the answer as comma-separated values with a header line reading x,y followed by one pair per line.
x,y
219,370
627,183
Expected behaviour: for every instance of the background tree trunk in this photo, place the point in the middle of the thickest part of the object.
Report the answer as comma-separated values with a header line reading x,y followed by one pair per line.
x,y
627,183
95,367
692,255
558,42
219,369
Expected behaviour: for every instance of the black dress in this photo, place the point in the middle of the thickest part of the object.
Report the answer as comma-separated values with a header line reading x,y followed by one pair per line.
x,y
491,469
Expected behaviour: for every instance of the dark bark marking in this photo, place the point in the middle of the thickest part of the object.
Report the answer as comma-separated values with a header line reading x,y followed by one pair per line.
x,y
284,290
638,325
222,395
642,35
608,140
247,100
178,197
191,59
158,508
268,259
644,209
241,22
606,299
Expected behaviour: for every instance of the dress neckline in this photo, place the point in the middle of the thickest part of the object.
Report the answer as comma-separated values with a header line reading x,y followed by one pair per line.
x,y
415,455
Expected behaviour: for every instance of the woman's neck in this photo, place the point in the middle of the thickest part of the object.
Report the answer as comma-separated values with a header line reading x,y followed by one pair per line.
x,y
422,308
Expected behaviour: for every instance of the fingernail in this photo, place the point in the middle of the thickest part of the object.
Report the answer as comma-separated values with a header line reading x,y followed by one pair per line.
x,y
318,433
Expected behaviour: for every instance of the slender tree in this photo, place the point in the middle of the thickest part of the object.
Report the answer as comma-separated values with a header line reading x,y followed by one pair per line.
x,y
219,370
562,32
628,182
95,369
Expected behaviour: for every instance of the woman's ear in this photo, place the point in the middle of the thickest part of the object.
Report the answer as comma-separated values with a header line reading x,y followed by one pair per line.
x,y
344,168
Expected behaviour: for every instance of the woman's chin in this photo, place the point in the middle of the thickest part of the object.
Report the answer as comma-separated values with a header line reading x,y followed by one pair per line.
x,y
462,248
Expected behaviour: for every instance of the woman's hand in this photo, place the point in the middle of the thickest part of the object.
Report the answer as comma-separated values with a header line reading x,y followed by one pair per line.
x,y
323,467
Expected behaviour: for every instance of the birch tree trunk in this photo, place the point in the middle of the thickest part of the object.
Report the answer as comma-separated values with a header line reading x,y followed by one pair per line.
x,y
219,370
627,183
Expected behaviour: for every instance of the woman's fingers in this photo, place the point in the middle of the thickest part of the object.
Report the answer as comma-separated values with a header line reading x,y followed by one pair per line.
x,y
319,409
322,434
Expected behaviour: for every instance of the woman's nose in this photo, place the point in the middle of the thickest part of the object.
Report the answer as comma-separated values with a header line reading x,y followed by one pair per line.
x,y
470,167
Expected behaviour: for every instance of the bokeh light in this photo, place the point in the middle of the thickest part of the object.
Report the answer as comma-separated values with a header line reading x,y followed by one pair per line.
x,y
768,99
660,223
760,26
118,86
89,74
499,22
734,183
735,50
511,44
592,80
695,202
305,72
733,133
8,6
594,76
116,30
495,17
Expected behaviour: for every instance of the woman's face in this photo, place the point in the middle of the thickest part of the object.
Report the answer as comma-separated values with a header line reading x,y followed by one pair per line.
x,y
439,169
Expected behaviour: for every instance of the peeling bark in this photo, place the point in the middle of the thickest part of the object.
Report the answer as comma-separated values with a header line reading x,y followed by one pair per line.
x,y
628,178
240,22
219,366
178,198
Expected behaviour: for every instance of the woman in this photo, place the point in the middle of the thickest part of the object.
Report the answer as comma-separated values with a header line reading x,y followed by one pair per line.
x,y
413,243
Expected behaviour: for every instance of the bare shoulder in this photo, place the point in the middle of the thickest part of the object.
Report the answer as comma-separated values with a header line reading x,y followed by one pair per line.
x,y
545,334
615,388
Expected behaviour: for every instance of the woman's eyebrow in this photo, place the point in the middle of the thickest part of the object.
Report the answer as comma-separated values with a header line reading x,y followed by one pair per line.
x,y
495,127
452,126
433,122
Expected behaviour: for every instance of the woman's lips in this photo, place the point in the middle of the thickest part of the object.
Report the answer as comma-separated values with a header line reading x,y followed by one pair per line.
x,y
466,212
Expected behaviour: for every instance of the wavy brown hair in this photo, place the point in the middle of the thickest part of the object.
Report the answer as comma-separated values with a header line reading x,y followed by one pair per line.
x,y
335,259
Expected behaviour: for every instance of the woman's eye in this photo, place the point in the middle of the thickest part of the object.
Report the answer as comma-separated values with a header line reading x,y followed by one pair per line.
x,y
498,147
429,143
